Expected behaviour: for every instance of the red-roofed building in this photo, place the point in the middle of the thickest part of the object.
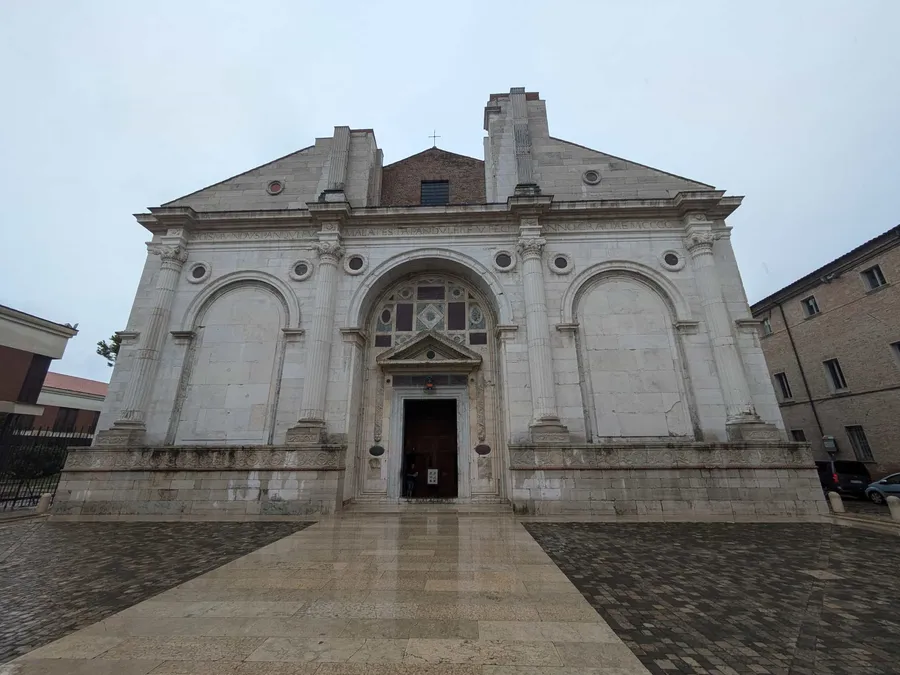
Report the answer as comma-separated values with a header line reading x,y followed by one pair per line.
x,y
70,403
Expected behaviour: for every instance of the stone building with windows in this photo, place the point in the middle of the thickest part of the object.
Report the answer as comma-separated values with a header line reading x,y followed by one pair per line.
x,y
832,344
550,328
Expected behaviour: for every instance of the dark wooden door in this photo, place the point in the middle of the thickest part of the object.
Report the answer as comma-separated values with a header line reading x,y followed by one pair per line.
x,y
429,441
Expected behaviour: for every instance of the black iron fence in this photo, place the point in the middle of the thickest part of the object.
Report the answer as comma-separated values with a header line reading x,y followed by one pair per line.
x,y
31,461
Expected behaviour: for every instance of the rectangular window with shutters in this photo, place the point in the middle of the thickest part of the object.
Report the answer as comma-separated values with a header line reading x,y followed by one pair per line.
x,y
860,443
874,278
65,420
835,375
784,385
810,306
798,435
34,379
435,192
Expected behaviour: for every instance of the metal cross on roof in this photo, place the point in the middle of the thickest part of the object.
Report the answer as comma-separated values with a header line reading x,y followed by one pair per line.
x,y
434,136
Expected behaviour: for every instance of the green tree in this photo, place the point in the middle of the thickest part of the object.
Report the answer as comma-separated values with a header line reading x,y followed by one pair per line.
x,y
110,350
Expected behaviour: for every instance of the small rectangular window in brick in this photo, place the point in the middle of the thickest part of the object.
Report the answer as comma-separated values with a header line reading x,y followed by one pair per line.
x,y
874,277
784,385
835,374
435,192
860,443
798,435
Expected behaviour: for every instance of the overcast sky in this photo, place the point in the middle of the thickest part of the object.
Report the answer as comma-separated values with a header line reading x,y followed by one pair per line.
x,y
111,107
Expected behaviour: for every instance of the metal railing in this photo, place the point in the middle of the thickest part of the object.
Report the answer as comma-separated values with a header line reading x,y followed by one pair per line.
x,y
31,461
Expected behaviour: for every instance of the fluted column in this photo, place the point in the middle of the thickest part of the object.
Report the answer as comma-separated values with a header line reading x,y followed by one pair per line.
x,y
146,358
321,333
537,327
736,391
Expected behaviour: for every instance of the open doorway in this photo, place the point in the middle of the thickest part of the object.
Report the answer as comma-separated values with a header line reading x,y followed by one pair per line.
x,y
430,449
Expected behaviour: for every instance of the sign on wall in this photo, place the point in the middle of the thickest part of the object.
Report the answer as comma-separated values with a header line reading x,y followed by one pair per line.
x,y
432,476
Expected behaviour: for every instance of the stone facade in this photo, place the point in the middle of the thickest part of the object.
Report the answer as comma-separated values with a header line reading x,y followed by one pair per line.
x,y
591,302
860,327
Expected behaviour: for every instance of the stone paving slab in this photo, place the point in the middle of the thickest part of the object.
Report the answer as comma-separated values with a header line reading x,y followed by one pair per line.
x,y
58,577
727,599
375,595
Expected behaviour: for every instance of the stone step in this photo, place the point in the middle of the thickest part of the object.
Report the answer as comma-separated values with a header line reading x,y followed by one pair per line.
x,y
429,506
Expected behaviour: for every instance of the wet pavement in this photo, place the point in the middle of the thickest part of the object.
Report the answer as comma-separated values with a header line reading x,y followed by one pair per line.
x,y
720,599
58,577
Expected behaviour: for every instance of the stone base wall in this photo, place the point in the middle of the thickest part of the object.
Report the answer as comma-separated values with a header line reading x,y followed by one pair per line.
x,y
668,480
201,481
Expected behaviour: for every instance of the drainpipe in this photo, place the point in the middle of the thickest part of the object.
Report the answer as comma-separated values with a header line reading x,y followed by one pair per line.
x,y
802,372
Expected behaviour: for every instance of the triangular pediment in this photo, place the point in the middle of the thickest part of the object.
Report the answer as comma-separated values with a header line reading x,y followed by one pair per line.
x,y
430,348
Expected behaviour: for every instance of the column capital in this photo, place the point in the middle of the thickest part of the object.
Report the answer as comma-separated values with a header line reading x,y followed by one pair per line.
x,y
700,242
172,253
329,252
531,247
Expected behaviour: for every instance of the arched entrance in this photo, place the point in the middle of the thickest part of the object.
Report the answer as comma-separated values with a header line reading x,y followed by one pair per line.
x,y
430,408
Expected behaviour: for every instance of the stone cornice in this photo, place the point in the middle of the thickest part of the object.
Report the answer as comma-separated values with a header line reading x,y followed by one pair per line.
x,y
711,203
35,322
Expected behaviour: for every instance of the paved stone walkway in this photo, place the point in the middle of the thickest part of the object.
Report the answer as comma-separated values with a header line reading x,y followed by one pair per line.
x,y
783,599
376,594
58,577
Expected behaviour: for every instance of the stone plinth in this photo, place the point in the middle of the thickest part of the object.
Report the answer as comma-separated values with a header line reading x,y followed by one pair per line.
x,y
684,481
206,481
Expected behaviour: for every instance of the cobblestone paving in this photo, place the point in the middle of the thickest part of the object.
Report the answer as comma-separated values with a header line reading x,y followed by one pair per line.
x,y
726,599
58,577
863,507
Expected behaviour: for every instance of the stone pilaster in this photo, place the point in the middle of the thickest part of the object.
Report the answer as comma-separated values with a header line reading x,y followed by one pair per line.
x,y
319,336
525,184
545,425
337,166
130,427
742,422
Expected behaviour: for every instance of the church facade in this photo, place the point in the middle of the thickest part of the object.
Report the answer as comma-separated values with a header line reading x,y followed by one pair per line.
x,y
552,328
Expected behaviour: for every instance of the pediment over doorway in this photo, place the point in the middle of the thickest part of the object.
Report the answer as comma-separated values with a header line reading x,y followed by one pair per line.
x,y
432,351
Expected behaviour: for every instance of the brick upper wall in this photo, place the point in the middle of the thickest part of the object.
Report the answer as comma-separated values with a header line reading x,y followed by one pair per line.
x,y
401,181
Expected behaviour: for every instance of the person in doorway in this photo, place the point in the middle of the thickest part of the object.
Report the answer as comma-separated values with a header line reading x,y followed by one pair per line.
x,y
411,476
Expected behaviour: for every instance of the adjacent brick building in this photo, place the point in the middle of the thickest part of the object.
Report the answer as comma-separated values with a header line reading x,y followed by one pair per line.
x,y
832,342
71,404
27,346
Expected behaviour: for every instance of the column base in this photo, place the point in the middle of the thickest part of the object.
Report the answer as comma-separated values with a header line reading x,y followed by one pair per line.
x,y
549,431
122,433
751,429
306,432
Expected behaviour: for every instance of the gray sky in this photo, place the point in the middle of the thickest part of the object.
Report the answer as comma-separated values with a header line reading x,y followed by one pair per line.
x,y
110,107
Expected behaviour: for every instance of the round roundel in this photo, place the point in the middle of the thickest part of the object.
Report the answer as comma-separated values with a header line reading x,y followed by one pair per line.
x,y
301,270
483,449
198,272
355,263
275,187
672,260
430,355
504,261
560,263
376,451
386,316
591,177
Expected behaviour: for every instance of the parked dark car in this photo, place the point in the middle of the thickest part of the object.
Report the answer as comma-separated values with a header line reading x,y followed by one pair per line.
x,y
844,477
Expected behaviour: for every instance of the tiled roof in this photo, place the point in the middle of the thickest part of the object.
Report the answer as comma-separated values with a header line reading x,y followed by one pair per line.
x,y
76,384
